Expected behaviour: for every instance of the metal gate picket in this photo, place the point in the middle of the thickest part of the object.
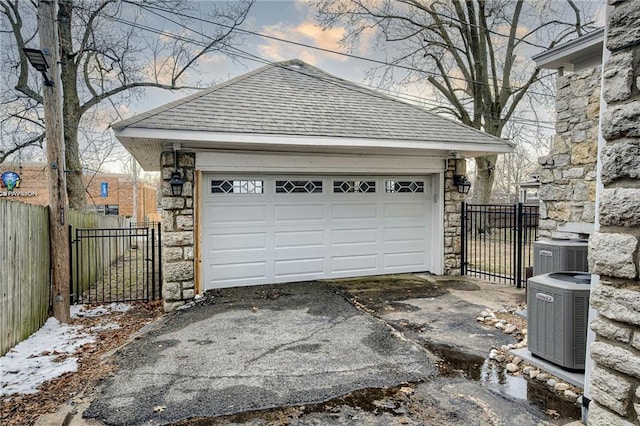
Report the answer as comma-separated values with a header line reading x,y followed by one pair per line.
x,y
497,241
115,264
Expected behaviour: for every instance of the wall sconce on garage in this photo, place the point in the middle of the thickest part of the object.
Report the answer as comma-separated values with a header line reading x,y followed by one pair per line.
x,y
176,181
461,181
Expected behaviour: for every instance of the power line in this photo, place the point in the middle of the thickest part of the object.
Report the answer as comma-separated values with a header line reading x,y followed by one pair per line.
x,y
322,49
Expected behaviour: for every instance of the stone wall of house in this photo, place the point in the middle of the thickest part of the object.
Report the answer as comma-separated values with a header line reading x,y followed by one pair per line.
x,y
452,210
614,252
568,173
178,235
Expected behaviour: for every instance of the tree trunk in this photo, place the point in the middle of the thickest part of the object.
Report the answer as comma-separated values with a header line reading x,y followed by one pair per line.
x,y
71,108
485,176
75,183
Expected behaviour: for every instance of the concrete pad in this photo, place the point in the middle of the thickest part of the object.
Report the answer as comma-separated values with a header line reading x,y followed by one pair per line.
x,y
444,308
576,378
255,348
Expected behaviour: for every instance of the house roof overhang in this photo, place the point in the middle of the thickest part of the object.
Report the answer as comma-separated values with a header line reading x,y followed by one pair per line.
x,y
292,106
146,145
575,55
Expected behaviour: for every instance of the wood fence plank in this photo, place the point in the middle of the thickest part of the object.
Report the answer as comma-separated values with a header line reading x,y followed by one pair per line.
x,y
25,266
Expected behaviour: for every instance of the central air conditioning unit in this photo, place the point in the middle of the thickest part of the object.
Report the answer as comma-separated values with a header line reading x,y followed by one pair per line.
x,y
557,309
559,255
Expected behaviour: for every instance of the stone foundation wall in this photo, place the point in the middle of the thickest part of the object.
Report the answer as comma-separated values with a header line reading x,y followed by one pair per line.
x,y
177,233
614,249
452,210
568,173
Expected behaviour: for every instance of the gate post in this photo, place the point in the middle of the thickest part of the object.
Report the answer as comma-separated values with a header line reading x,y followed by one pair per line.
x,y
153,264
519,243
71,293
463,238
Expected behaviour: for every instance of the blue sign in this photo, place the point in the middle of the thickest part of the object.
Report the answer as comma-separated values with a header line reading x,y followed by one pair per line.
x,y
104,189
10,180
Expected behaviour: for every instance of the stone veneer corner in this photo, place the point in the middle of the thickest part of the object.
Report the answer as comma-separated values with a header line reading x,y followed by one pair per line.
x,y
178,233
614,251
452,216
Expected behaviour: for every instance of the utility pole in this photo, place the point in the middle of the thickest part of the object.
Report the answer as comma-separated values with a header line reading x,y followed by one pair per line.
x,y
54,133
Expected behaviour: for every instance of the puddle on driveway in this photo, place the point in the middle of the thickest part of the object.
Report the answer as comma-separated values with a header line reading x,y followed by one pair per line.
x,y
495,376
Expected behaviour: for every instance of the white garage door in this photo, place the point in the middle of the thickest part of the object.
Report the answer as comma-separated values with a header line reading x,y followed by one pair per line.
x,y
266,229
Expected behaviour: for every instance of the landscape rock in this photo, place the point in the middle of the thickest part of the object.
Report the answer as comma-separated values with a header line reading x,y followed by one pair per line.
x,y
510,329
512,368
543,377
570,395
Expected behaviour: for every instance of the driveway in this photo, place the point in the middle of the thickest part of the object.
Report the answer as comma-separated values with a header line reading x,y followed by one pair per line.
x,y
345,352
256,348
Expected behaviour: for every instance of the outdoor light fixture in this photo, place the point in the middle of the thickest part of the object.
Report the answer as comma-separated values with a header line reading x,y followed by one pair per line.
x,y
176,180
461,181
39,62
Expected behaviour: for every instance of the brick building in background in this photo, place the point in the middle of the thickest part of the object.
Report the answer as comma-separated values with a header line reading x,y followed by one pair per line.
x,y
106,193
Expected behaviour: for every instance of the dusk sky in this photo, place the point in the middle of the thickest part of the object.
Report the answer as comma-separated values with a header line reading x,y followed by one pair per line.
x,y
291,20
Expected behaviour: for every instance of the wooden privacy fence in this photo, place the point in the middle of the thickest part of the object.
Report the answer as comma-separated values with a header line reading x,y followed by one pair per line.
x,y
24,271
25,279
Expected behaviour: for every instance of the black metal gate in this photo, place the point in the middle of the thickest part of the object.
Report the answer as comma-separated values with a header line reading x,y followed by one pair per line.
x,y
497,241
115,264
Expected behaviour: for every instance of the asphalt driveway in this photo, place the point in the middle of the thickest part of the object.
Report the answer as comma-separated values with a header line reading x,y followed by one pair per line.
x,y
256,348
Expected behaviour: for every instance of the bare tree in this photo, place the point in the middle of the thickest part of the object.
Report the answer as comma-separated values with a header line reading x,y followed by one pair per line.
x,y
474,53
111,50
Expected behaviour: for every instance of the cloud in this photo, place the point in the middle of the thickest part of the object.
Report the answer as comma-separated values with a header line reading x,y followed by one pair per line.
x,y
306,33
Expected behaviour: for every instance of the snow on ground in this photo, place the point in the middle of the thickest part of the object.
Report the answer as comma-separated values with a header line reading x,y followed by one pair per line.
x,y
37,359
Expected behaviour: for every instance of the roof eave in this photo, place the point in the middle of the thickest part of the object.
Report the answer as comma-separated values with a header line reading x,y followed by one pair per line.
x,y
575,51
147,144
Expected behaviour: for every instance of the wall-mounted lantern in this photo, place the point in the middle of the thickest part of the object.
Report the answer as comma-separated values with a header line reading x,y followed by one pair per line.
x,y
461,181
176,180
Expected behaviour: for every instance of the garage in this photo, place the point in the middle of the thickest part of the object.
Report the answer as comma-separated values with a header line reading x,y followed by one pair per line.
x,y
267,229
288,173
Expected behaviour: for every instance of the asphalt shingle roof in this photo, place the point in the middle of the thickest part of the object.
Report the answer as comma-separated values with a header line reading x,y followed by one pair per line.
x,y
295,98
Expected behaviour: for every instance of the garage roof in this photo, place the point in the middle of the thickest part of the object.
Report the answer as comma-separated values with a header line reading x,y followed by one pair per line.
x,y
292,103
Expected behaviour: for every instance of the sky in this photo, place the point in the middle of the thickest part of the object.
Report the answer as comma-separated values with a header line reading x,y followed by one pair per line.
x,y
292,20
295,20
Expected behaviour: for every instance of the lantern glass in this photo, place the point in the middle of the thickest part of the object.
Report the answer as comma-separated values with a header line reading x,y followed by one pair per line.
x,y
176,183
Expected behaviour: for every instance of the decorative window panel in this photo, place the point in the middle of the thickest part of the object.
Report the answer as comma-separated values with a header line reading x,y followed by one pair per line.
x,y
298,186
406,186
237,186
348,186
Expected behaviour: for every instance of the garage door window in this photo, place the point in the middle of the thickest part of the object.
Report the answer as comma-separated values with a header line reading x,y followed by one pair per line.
x,y
237,186
298,186
350,186
403,186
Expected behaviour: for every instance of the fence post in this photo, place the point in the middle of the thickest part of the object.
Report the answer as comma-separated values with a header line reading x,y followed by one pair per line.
x,y
153,264
519,243
71,293
463,239
159,254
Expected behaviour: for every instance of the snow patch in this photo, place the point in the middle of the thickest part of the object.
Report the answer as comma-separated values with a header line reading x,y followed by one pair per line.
x,y
81,311
39,358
